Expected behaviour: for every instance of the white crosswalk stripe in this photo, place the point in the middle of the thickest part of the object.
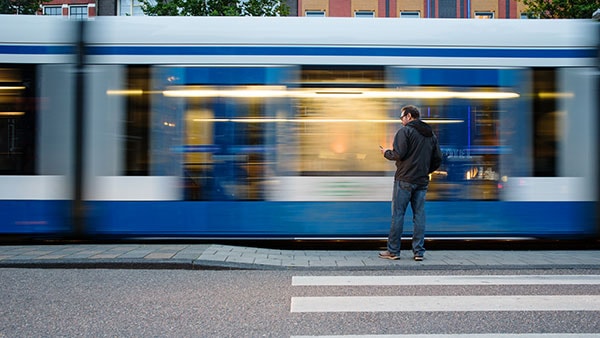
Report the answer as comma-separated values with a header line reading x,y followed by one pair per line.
x,y
443,303
446,280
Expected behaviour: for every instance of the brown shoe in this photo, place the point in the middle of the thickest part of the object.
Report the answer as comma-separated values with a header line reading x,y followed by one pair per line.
x,y
418,258
388,255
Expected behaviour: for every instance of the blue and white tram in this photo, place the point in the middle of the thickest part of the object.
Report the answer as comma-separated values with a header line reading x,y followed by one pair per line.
x,y
271,127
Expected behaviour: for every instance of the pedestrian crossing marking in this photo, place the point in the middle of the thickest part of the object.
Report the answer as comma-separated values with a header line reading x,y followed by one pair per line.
x,y
446,280
445,303
488,303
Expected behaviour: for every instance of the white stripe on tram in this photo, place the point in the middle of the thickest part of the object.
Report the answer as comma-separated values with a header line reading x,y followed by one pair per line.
x,y
445,303
447,280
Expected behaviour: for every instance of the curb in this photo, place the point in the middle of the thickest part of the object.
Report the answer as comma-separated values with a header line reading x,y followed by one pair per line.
x,y
185,264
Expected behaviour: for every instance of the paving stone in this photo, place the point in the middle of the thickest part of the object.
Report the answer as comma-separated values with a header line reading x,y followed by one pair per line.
x,y
159,255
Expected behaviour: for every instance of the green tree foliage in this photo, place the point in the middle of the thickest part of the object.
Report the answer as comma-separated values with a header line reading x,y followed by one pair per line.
x,y
561,9
20,6
266,8
215,8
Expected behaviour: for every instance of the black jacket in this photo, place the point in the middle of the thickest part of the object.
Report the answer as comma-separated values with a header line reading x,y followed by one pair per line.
x,y
416,152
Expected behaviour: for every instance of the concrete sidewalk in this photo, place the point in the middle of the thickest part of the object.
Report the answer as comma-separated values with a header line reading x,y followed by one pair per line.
x,y
217,256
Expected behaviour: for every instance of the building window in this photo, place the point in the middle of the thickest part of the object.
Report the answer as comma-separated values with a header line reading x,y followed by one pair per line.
x,y
410,14
526,15
132,7
78,12
53,10
364,14
315,13
484,15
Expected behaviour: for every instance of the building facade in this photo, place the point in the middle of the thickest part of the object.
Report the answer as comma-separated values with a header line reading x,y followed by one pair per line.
x,y
477,9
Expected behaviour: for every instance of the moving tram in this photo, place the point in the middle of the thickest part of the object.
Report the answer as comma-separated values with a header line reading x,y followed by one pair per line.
x,y
241,127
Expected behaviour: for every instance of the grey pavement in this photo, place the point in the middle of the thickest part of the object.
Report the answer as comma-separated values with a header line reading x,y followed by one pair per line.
x,y
218,256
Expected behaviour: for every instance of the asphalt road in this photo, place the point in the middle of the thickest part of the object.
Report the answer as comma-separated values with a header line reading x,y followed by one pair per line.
x,y
181,303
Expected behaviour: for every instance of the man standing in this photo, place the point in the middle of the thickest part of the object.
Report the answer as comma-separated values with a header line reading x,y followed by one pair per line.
x,y
417,154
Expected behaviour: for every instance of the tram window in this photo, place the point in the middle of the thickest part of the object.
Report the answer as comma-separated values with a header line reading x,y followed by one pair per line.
x,y
339,126
222,131
137,121
468,134
17,120
339,130
545,127
226,157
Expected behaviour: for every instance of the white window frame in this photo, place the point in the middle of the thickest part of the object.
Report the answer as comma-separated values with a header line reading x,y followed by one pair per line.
x,y
524,15
364,14
58,12
314,13
410,14
483,15
83,15
134,8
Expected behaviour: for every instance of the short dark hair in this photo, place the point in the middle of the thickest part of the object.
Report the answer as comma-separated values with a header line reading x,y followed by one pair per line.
x,y
412,110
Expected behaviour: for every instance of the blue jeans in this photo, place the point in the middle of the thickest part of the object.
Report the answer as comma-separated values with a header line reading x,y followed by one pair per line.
x,y
405,192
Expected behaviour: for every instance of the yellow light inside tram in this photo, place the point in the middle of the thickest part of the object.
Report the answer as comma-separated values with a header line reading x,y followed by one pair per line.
x,y
245,92
275,120
333,93
125,92
12,87
554,95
